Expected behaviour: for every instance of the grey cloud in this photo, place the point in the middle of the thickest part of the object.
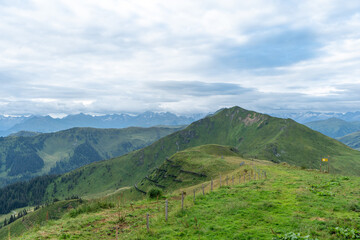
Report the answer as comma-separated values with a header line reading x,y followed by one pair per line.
x,y
106,58
197,88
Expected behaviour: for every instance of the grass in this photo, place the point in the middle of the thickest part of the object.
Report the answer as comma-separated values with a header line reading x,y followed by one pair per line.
x,y
35,220
291,201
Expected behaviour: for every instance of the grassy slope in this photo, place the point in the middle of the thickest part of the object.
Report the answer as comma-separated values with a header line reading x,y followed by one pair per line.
x,y
290,200
352,140
255,135
206,159
34,220
60,146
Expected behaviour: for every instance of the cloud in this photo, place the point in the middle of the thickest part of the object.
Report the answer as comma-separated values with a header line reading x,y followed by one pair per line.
x,y
111,56
282,47
197,88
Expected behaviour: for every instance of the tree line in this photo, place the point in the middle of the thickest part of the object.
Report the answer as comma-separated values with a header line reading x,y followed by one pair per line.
x,y
23,194
14,217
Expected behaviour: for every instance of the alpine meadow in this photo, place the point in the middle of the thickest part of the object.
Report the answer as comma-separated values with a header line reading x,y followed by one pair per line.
x,y
159,120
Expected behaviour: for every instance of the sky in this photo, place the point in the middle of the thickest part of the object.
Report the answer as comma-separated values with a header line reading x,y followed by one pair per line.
x,y
65,57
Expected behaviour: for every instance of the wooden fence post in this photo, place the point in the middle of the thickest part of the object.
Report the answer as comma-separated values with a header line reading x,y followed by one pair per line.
x,y
182,200
203,189
211,184
239,178
166,210
147,222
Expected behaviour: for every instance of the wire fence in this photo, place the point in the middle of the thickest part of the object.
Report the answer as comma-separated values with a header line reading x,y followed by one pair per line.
x,y
215,183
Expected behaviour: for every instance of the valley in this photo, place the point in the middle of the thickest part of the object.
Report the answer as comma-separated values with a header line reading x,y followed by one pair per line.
x,y
22,158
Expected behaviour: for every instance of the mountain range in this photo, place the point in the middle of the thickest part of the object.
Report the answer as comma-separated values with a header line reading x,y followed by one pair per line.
x,y
46,124
305,117
11,124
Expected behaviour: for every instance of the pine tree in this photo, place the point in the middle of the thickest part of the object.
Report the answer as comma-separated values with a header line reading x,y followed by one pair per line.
x,y
12,218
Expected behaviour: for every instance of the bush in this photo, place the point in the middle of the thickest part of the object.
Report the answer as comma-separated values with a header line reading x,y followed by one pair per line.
x,y
354,207
155,193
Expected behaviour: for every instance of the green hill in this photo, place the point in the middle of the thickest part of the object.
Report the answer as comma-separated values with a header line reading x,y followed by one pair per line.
x,y
191,166
334,127
255,135
22,158
289,202
352,140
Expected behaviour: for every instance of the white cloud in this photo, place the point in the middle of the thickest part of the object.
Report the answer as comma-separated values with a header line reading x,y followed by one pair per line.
x,y
102,56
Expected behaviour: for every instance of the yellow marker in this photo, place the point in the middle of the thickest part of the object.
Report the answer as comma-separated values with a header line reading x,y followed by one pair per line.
x,y
324,159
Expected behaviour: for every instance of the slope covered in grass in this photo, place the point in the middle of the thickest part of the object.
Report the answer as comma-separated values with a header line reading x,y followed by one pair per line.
x,y
289,201
34,219
255,135
191,166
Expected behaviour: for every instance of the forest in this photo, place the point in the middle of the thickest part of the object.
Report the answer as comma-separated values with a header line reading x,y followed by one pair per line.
x,y
24,194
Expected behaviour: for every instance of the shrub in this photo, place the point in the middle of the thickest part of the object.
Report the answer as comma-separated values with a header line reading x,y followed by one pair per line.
x,y
354,207
155,193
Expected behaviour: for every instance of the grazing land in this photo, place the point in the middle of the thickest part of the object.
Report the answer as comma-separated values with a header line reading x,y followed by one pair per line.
x,y
290,201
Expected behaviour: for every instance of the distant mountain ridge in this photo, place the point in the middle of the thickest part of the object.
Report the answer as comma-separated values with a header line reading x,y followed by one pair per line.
x,y
305,117
352,140
7,122
334,127
47,124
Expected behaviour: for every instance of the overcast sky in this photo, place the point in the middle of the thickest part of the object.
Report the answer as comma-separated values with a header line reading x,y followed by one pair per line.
x,y
107,56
